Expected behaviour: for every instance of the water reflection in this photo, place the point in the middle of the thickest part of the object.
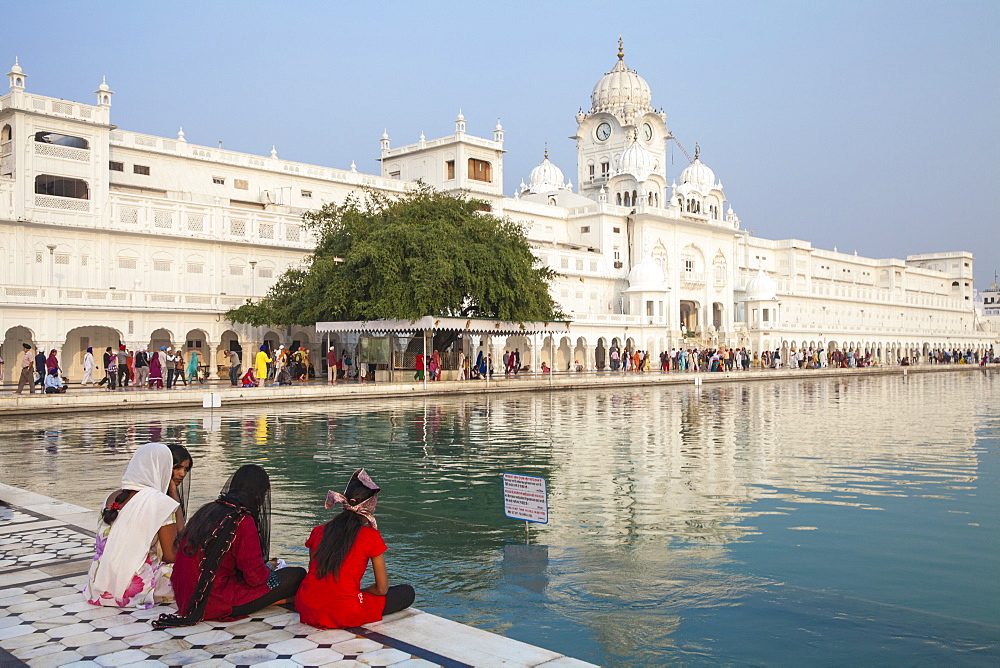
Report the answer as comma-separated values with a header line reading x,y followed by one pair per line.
x,y
670,509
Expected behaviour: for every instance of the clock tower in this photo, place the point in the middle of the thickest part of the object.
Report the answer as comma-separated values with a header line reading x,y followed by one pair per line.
x,y
621,117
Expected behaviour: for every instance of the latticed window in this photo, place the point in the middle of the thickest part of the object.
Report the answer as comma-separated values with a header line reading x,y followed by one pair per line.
x,y
62,258
128,215
195,268
235,270
196,222
266,230
161,265
237,227
163,219
127,263
293,232
266,272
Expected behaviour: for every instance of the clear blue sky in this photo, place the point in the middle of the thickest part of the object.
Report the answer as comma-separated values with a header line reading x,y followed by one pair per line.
x,y
870,126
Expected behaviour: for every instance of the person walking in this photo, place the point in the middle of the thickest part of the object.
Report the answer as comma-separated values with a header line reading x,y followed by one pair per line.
x,y
141,364
121,359
170,368
192,366
111,366
179,368
331,365
27,371
234,367
40,368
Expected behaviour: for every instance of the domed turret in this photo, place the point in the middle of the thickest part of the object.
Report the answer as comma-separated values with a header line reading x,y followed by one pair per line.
x,y
761,288
699,175
637,160
545,178
620,90
646,276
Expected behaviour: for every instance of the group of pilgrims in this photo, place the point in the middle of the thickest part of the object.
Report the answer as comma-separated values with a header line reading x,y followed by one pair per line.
x,y
216,565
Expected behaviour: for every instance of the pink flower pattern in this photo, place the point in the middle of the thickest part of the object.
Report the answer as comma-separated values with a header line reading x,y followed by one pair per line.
x,y
150,584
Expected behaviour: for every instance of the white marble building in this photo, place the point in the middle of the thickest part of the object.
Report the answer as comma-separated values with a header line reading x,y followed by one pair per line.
x,y
113,236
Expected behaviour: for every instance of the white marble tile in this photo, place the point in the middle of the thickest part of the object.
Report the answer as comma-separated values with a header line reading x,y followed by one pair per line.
x,y
102,648
28,606
67,630
200,627
357,646
317,657
9,621
250,657
278,663
212,663
148,638
148,663
109,622
246,628
274,635
185,656
85,639
282,617
291,646
383,657
14,632
122,658
415,663
28,653
83,664
330,636
27,640
167,646
40,586
92,611
208,637
57,659
48,617
130,629
229,646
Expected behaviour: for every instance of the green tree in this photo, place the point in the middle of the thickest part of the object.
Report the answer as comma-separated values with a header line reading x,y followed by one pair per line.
x,y
423,253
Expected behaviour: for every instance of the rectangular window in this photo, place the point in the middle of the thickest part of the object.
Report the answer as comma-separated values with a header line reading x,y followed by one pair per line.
x,y
689,265
266,230
62,258
163,219
116,166
564,263
235,270
394,175
579,265
307,194
480,170
265,272
237,227
293,232
84,260
61,186
766,313
219,180
241,184
140,169
605,169
126,263
591,171
196,222
593,265
38,257
585,229
616,230
449,169
196,268
161,265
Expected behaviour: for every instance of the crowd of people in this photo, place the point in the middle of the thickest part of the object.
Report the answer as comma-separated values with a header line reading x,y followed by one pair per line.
x,y
216,564
167,367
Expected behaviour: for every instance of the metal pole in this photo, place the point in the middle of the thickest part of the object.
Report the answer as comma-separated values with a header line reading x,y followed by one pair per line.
x,y
424,335
552,357
489,341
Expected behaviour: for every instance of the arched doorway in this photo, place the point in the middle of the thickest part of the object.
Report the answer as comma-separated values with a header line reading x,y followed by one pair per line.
x,y
580,354
161,338
12,349
601,355
76,344
563,354
689,317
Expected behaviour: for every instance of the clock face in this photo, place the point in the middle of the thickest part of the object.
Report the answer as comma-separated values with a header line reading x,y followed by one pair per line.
x,y
603,131
647,131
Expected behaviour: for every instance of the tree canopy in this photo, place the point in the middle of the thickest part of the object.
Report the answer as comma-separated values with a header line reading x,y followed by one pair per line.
x,y
423,253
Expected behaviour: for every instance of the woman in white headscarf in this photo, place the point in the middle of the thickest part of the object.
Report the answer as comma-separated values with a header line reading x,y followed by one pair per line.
x,y
136,535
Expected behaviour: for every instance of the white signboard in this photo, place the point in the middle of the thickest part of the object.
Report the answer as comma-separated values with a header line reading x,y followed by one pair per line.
x,y
525,498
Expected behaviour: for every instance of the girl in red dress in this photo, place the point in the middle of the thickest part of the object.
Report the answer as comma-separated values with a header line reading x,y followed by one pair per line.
x,y
339,551
221,570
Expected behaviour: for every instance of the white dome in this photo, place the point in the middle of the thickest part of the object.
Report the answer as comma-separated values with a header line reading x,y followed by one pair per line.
x,y
620,87
546,178
638,161
17,68
699,175
761,288
646,276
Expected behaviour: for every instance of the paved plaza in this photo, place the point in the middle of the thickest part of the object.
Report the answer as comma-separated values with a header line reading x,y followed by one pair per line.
x,y
46,547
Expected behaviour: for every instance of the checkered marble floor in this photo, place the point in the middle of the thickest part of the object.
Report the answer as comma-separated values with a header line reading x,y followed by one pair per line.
x,y
45,551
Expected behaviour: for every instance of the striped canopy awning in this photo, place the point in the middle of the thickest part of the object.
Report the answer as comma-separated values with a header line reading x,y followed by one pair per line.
x,y
433,324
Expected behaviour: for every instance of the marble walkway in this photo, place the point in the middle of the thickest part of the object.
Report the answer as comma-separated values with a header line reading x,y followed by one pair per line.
x,y
45,550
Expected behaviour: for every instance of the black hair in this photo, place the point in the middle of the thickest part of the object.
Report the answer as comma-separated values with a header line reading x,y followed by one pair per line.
x,y
109,515
248,490
340,532
180,454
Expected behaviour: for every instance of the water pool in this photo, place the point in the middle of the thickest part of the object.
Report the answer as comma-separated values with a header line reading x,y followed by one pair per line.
x,y
819,522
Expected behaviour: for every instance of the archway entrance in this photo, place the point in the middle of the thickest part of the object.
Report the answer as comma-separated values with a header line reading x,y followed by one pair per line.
x,y
689,317
12,350
76,344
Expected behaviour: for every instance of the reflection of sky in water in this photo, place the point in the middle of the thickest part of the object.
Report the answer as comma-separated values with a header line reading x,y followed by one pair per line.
x,y
764,522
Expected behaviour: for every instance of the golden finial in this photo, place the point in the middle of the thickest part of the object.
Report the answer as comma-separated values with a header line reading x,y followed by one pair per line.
x,y
697,150
621,51
546,150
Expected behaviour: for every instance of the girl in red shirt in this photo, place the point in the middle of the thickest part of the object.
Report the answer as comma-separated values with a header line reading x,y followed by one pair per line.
x,y
339,551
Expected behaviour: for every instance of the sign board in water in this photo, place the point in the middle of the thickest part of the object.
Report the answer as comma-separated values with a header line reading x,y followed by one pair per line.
x,y
525,498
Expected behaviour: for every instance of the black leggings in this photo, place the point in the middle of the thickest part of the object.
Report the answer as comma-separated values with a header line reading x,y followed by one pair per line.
x,y
399,597
289,578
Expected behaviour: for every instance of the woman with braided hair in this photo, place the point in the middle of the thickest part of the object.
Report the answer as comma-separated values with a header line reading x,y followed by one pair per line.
x,y
136,534
339,551
222,571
